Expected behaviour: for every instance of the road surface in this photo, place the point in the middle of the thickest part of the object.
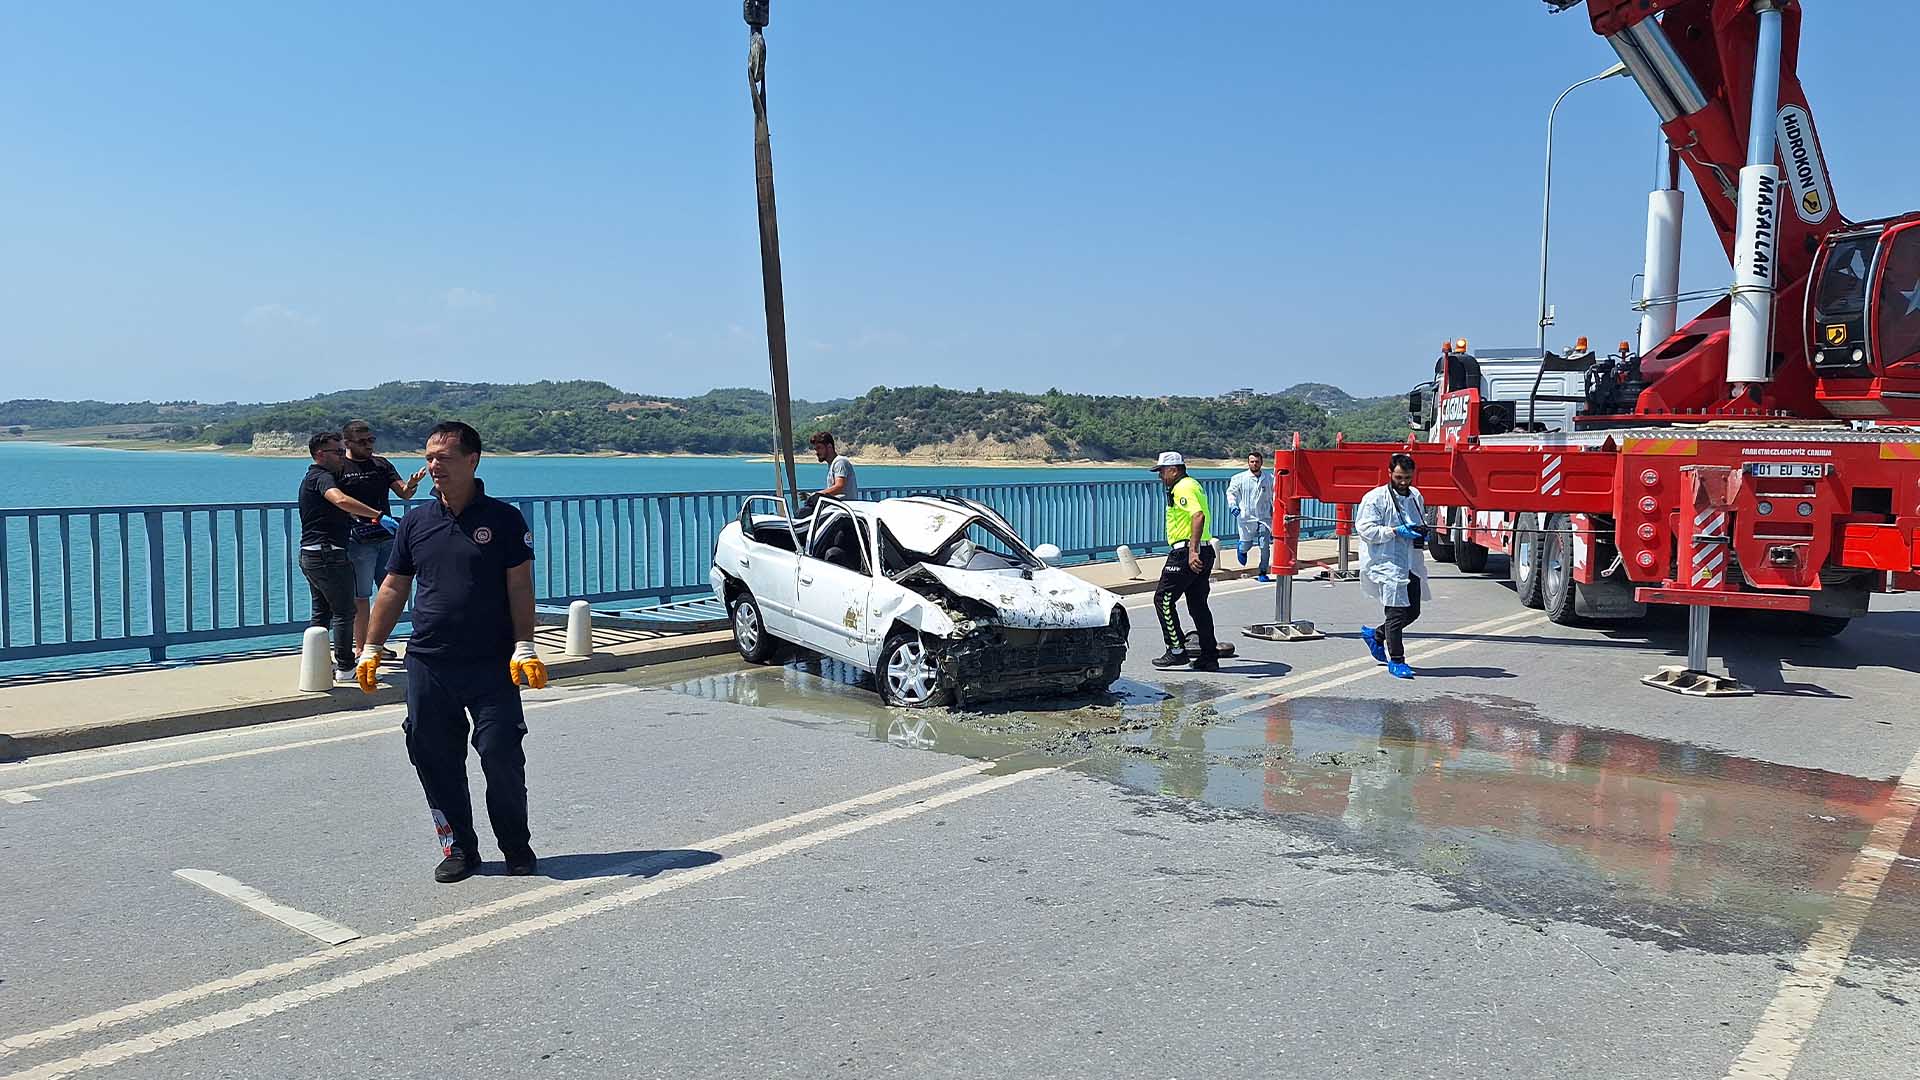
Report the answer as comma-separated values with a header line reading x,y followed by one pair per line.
x,y
1522,863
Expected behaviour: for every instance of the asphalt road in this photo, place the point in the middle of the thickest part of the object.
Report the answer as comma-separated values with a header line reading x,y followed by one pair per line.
x,y
1522,863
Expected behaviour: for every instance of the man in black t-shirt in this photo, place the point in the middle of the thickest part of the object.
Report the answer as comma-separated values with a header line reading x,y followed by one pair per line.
x,y
472,643
373,480
326,517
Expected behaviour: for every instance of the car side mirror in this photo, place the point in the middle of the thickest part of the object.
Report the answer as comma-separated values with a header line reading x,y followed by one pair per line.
x,y
1047,553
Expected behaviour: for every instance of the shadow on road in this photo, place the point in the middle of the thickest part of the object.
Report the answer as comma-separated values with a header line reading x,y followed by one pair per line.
x,y
610,864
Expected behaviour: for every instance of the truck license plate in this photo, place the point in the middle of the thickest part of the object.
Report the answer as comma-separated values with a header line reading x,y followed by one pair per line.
x,y
1788,470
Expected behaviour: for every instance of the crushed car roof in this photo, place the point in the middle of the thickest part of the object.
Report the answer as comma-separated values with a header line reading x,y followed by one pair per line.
x,y
923,523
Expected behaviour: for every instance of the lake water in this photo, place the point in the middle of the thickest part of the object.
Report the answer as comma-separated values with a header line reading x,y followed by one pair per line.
x,y
214,573
34,475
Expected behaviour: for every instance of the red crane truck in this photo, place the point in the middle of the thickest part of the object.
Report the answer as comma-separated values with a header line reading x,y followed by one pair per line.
x,y
1766,455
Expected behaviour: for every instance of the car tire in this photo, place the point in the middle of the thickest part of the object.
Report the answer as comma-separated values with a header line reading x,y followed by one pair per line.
x,y
1556,571
750,634
909,674
1523,567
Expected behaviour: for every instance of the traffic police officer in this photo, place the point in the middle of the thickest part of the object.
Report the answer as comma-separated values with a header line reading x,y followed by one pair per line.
x,y
472,646
1188,569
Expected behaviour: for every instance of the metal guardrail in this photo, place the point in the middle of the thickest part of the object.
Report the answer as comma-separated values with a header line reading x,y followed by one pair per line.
x,y
80,580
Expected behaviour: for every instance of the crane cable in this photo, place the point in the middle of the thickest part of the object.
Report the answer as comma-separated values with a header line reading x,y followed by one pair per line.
x,y
755,13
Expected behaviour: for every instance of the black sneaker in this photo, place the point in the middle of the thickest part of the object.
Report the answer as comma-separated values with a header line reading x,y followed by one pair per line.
x,y
522,863
1170,659
458,866
1205,663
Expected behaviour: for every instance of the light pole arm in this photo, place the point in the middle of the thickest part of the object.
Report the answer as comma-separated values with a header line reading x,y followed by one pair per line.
x,y
1546,194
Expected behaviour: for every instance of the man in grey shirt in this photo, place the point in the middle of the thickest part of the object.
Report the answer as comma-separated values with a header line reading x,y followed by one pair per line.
x,y
841,483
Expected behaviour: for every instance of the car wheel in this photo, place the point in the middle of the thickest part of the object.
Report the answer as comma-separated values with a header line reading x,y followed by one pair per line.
x,y
750,630
1524,566
910,675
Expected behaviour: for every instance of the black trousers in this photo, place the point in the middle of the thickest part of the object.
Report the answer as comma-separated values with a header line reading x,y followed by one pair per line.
x,y
1399,618
1178,580
330,577
440,697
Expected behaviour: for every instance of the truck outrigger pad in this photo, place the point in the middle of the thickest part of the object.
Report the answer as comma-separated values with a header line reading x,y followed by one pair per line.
x,y
1283,631
1682,680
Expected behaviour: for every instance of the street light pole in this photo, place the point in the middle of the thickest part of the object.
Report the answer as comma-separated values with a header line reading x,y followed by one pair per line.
x,y
1546,196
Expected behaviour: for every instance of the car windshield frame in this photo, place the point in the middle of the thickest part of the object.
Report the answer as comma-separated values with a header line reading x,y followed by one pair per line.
x,y
1019,554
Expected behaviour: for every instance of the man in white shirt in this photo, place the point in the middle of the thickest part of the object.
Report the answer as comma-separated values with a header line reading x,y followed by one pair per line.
x,y
1250,494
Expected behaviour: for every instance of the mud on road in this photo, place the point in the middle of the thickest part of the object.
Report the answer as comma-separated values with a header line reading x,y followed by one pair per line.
x,y
1510,811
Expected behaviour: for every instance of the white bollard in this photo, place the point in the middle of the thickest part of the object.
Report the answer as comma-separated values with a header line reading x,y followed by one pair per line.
x,y
579,628
316,661
1127,562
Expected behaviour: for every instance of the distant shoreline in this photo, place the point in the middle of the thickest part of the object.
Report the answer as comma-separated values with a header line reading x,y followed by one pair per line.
x,y
916,458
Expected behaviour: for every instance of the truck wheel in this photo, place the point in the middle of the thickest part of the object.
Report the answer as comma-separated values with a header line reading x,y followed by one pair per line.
x,y
1469,556
1556,570
1524,566
909,674
750,630
1440,544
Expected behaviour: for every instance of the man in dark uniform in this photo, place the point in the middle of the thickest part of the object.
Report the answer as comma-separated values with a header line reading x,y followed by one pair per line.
x,y
472,645
372,479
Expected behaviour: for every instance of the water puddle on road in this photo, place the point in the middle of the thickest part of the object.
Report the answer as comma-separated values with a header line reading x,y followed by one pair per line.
x,y
1505,808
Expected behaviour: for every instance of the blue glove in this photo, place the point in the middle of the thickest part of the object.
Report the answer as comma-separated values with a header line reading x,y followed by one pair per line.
x,y
392,526
1405,532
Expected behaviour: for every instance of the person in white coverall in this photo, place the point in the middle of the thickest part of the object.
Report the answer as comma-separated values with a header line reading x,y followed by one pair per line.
x,y
1250,494
1392,527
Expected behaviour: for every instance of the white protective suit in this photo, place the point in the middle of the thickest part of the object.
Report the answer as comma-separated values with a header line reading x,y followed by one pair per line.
x,y
1387,560
1253,497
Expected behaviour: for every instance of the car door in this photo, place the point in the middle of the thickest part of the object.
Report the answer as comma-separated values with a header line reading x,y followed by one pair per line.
x,y
770,569
834,583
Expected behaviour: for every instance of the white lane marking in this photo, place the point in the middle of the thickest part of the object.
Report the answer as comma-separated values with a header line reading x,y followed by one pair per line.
x,y
324,930
1298,679
1783,1028
242,980
18,797
140,770
1318,686
261,1008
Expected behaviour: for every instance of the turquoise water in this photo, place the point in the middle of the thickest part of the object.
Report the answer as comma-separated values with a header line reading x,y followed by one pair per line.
x,y
85,577
35,475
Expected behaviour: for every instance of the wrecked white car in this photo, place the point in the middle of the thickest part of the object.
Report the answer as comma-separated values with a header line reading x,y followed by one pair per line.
x,y
938,597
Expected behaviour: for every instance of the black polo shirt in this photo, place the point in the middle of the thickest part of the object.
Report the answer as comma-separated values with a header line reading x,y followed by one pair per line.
x,y
370,481
322,524
459,568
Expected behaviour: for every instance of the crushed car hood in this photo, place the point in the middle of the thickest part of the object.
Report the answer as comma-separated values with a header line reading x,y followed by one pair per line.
x,y
1051,599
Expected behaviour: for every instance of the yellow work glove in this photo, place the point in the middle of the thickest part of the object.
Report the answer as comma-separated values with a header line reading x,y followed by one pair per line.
x,y
367,671
528,670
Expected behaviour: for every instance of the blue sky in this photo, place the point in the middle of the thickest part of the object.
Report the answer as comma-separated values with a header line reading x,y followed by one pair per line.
x,y
248,202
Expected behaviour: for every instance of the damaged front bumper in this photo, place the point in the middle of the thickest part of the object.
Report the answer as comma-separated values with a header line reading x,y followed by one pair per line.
x,y
998,662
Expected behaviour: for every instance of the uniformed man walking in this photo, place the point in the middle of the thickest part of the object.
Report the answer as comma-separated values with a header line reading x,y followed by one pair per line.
x,y
1188,570
472,647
